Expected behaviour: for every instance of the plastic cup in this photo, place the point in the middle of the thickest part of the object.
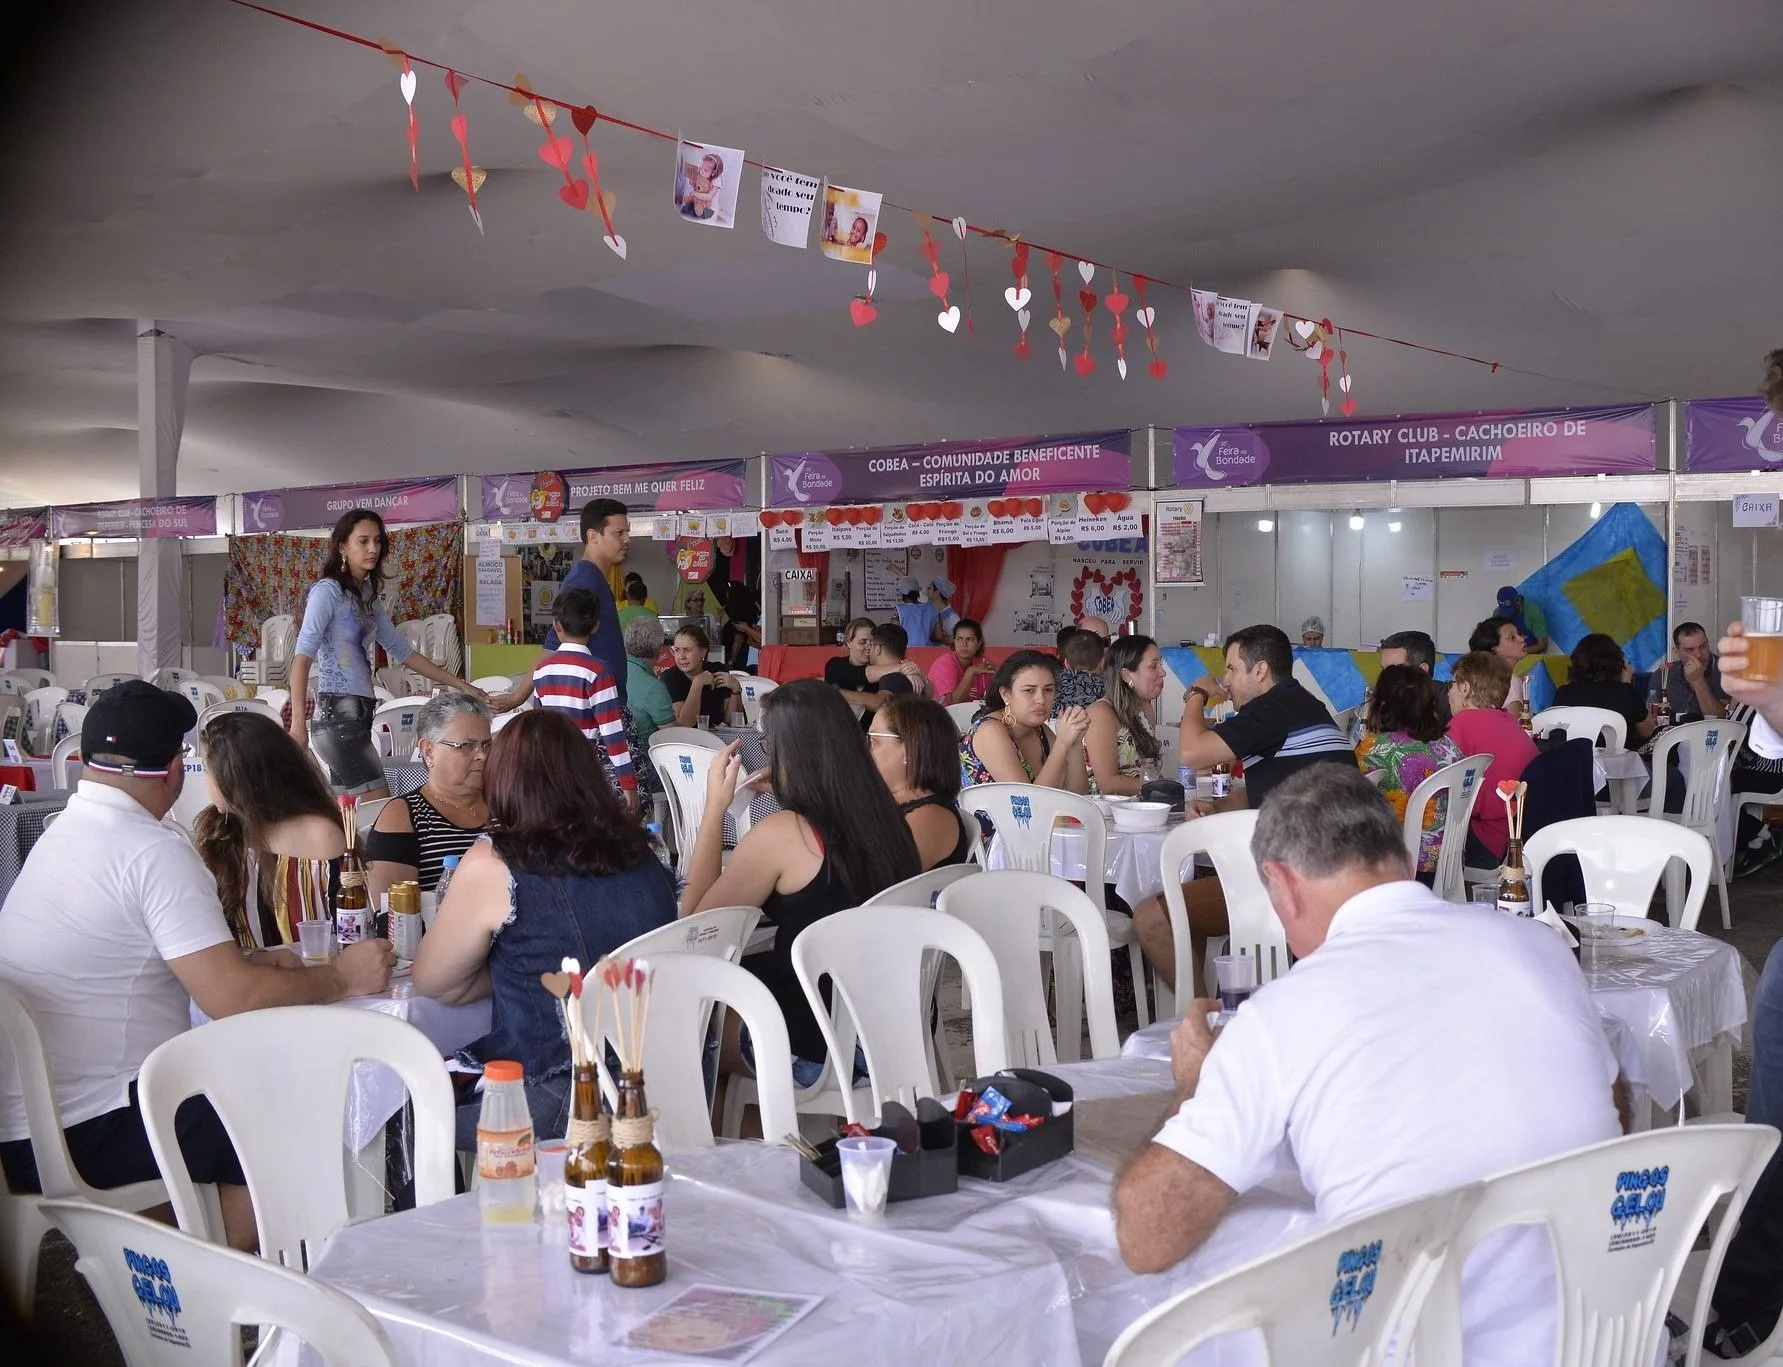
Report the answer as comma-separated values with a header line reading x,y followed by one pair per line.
x,y
315,941
1237,977
705,723
1763,620
553,1212
866,1172
1486,893
1592,949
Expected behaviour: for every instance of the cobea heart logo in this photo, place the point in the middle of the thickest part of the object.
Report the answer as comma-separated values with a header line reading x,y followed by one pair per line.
x,y
1114,600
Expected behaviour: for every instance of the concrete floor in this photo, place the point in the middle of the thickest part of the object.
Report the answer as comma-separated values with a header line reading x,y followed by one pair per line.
x,y
71,1330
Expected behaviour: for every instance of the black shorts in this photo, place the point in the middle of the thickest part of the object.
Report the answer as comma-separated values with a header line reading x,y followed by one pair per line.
x,y
112,1150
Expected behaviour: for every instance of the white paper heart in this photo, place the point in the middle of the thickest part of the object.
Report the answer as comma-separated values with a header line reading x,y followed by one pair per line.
x,y
1304,327
959,229
1325,405
1144,316
1120,364
1316,350
408,86
949,317
617,243
872,280
1017,299
1022,316
1064,361
1087,271
1343,383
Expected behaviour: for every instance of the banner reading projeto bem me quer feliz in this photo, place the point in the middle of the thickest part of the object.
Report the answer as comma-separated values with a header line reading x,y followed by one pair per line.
x,y
677,485
1032,465
1516,444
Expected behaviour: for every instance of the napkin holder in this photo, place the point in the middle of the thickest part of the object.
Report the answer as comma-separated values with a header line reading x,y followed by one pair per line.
x,y
1030,1092
933,1170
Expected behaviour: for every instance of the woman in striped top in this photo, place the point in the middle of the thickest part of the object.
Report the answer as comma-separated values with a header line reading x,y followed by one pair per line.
x,y
445,815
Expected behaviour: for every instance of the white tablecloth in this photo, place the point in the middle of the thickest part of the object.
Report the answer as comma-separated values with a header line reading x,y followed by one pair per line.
x,y
1131,862
1025,1272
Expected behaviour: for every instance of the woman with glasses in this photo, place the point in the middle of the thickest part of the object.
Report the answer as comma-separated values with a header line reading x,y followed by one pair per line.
x,y
413,834
916,748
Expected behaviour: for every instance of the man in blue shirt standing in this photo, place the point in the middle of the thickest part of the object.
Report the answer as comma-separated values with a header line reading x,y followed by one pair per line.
x,y
606,541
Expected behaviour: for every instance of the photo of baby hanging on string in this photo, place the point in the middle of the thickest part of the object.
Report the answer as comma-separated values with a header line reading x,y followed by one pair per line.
x,y
706,182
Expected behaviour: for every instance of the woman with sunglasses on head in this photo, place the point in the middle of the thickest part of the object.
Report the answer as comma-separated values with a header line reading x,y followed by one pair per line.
x,y
344,610
916,748
414,834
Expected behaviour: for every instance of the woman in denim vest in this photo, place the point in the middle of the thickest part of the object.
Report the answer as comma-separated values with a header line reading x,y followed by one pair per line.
x,y
345,608
566,871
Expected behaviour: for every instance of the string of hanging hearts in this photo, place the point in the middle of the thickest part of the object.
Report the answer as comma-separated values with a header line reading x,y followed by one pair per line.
x,y
706,185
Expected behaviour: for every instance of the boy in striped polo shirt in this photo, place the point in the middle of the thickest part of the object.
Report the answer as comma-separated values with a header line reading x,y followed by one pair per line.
x,y
571,680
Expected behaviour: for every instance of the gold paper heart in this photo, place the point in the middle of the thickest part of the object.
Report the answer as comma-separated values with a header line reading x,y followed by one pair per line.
x,y
532,111
607,198
1060,325
393,53
557,984
478,176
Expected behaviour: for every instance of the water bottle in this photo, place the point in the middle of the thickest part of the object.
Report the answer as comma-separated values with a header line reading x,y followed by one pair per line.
x,y
506,1183
1185,775
448,867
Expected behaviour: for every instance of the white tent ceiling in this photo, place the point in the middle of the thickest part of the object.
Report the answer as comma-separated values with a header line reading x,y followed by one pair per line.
x,y
1586,190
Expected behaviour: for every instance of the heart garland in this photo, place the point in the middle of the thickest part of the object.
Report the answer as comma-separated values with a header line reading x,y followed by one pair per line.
x,y
406,84
1086,363
1116,303
1108,595
600,201
1348,406
1059,323
860,308
556,152
1018,296
461,131
949,317
1146,316
959,231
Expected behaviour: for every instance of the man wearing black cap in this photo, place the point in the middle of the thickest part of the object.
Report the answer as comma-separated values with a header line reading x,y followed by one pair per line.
x,y
111,931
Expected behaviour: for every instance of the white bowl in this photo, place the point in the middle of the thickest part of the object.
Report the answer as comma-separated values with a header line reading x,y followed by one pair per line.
x,y
1114,799
1142,816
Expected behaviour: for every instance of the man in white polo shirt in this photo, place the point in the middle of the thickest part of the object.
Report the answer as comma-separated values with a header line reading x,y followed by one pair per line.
x,y
111,931
1415,1046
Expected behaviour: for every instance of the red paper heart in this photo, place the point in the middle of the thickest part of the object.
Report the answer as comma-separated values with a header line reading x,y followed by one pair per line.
x,y
556,152
768,517
951,510
1325,357
591,163
1022,348
575,194
833,516
934,511
1034,506
792,516
1096,503
454,83
1119,334
1347,407
873,515
1021,258
1116,303
584,118
1158,368
938,284
1117,503
916,512
1085,363
862,311
996,507
878,243
1088,299
852,516
460,129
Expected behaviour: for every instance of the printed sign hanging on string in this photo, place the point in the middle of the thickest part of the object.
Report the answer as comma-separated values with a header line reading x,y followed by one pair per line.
x,y
706,183
787,201
849,220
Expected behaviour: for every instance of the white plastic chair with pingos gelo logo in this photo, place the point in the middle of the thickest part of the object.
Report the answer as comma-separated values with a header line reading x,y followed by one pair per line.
x,y
1708,748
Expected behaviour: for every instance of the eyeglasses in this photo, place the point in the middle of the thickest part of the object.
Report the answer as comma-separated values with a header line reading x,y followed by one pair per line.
x,y
480,747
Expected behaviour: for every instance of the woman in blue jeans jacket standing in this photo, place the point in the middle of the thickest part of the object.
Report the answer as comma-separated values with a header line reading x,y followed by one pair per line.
x,y
345,607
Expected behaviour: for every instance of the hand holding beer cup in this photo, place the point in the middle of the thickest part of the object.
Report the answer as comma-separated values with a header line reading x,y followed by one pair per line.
x,y
1752,657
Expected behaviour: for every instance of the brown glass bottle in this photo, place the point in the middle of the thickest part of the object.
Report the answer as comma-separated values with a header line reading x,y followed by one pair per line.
x,y
636,1250
1513,882
353,919
585,1175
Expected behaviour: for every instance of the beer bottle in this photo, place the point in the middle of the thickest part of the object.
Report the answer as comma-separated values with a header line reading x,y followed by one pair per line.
x,y
1222,780
1513,882
352,904
634,1192
585,1174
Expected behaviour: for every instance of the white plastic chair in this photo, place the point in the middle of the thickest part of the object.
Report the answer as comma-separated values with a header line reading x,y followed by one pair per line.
x,y
1024,815
16,683
67,721
288,1135
12,717
66,749
1008,908
963,713
1291,1296
23,1221
873,957
1461,783
439,640
1602,727
1622,1216
752,688
194,795
398,682
1707,762
278,641
1622,858
686,735
493,683
170,678
215,1291
30,679
684,989
40,718
682,769
398,721
96,685
201,693
1225,838
278,699
256,705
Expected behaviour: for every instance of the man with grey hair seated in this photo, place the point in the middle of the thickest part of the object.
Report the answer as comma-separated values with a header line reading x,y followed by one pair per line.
x,y
414,834
647,700
1414,1047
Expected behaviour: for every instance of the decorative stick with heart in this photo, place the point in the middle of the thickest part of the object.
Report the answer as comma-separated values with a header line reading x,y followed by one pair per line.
x,y
406,84
1116,303
949,317
556,152
1086,363
1348,406
1018,296
959,231
461,131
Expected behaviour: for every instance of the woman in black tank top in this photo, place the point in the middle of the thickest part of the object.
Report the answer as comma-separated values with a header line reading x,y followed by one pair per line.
x,y
916,748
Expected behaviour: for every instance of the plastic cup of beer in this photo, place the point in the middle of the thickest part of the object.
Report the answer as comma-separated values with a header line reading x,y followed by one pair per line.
x,y
315,941
1762,619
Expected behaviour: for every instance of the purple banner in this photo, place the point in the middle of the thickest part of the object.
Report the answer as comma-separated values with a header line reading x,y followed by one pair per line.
x,y
398,502
138,517
1731,434
683,485
1026,465
1519,443
22,526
